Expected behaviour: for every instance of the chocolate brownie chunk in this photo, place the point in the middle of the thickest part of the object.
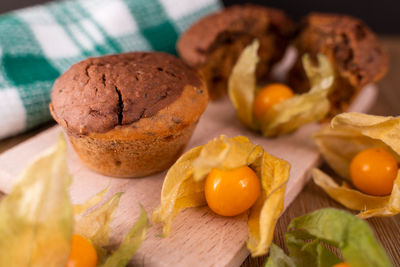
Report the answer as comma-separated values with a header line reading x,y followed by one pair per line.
x,y
354,50
214,43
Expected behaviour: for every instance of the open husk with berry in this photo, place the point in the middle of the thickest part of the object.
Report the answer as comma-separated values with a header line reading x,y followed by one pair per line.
x,y
348,136
38,220
184,185
286,115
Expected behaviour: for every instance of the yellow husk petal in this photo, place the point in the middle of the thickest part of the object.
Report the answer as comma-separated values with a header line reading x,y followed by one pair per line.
x,y
225,153
95,226
385,129
351,198
184,185
266,211
178,190
349,134
242,84
130,243
36,221
291,114
79,209
287,115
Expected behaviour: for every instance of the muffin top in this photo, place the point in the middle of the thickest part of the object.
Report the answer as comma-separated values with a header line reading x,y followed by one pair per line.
x,y
97,95
353,47
201,37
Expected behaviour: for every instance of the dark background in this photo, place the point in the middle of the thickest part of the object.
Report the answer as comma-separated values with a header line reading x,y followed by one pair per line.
x,y
383,16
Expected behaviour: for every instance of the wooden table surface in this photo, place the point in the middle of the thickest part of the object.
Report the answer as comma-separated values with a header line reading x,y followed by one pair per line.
x,y
311,198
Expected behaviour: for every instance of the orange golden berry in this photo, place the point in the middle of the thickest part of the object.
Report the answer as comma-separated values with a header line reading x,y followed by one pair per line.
x,y
231,192
373,171
268,96
82,253
342,264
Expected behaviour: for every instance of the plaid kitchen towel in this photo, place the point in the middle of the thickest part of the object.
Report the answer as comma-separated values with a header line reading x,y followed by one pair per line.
x,y
37,44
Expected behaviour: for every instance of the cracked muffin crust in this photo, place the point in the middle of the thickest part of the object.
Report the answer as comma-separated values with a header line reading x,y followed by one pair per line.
x,y
129,115
354,50
214,43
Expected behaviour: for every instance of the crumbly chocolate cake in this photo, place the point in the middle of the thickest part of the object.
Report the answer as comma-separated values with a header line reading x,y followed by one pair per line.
x,y
353,49
130,114
98,94
214,43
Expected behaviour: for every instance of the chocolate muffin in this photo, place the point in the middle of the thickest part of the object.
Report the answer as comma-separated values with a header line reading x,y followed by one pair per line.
x,y
353,49
214,43
129,115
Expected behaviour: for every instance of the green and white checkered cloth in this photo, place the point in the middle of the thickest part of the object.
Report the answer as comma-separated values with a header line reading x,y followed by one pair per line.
x,y
37,44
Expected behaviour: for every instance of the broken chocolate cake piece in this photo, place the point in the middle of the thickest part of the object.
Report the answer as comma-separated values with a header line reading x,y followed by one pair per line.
x,y
213,44
352,48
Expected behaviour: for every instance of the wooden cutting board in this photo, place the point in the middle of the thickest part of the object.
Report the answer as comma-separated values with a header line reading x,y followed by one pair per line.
x,y
198,237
